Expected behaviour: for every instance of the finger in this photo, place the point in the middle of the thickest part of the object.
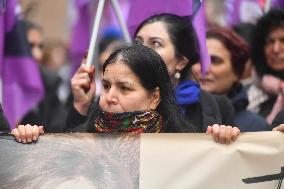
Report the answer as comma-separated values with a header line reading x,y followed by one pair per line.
x,y
209,130
41,131
228,134
16,134
215,132
222,134
279,128
22,131
29,133
35,131
91,93
81,83
236,133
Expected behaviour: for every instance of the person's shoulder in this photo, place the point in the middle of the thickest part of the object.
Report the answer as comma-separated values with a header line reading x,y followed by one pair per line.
x,y
248,121
220,100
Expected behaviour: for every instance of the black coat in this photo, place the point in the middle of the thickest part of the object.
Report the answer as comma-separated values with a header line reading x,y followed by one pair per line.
x,y
279,119
4,125
50,112
211,109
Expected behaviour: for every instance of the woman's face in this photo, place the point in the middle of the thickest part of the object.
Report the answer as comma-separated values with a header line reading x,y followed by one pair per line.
x,y
155,36
123,92
220,75
274,49
36,42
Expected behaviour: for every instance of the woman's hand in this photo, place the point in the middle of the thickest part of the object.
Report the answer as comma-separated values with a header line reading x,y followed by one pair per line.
x,y
223,134
27,133
83,88
279,128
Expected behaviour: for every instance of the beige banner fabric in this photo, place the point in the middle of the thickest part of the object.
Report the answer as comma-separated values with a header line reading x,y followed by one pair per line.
x,y
195,161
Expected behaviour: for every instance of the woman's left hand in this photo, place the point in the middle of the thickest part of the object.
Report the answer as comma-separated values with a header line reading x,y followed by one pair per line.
x,y
279,128
223,134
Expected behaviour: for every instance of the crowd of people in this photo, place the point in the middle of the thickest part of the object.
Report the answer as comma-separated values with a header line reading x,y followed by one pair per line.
x,y
156,85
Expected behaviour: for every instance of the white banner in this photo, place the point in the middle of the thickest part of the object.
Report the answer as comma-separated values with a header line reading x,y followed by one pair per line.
x,y
147,161
195,161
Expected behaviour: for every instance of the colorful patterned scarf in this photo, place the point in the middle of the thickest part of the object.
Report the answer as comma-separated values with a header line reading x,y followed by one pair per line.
x,y
135,122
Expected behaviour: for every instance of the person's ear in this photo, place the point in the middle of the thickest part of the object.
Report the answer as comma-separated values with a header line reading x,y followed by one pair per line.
x,y
182,63
155,99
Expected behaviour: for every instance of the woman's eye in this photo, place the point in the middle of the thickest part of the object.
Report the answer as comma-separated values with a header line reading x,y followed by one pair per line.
x,y
216,60
156,44
123,88
106,86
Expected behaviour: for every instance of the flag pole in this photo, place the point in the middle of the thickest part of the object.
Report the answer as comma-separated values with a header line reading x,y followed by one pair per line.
x,y
121,21
91,50
267,5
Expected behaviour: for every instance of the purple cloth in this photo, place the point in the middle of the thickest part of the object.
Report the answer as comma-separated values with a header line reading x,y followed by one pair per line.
x,y
22,84
142,9
22,87
80,37
278,3
200,29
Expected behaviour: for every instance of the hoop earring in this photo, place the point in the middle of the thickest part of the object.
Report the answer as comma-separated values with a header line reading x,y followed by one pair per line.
x,y
177,75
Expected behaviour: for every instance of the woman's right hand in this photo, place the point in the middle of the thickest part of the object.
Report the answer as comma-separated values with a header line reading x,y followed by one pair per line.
x,y
27,133
83,89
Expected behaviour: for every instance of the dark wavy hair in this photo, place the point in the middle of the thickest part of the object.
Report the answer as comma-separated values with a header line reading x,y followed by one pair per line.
x,y
273,19
182,36
238,48
152,72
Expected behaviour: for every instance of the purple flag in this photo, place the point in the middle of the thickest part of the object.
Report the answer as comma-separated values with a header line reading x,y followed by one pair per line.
x,y
22,84
80,36
200,29
278,3
140,10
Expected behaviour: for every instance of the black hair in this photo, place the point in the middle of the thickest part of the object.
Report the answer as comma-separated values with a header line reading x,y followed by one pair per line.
x,y
273,19
152,72
181,34
245,30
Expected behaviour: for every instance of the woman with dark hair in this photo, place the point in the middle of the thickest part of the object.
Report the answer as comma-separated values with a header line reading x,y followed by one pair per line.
x,y
229,54
267,52
137,97
173,37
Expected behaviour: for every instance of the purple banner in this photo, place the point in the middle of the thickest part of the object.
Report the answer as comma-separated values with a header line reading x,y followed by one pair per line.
x,y
140,10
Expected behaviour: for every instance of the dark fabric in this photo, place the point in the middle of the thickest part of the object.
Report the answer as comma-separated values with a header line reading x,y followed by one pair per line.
x,y
50,113
279,119
246,121
266,107
4,125
211,109
135,122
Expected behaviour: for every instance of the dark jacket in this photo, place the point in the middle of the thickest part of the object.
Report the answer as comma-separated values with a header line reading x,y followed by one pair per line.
x,y
51,113
245,120
212,109
209,110
4,125
279,119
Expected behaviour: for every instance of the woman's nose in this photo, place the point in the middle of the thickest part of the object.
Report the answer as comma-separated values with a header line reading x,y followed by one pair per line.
x,y
112,96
